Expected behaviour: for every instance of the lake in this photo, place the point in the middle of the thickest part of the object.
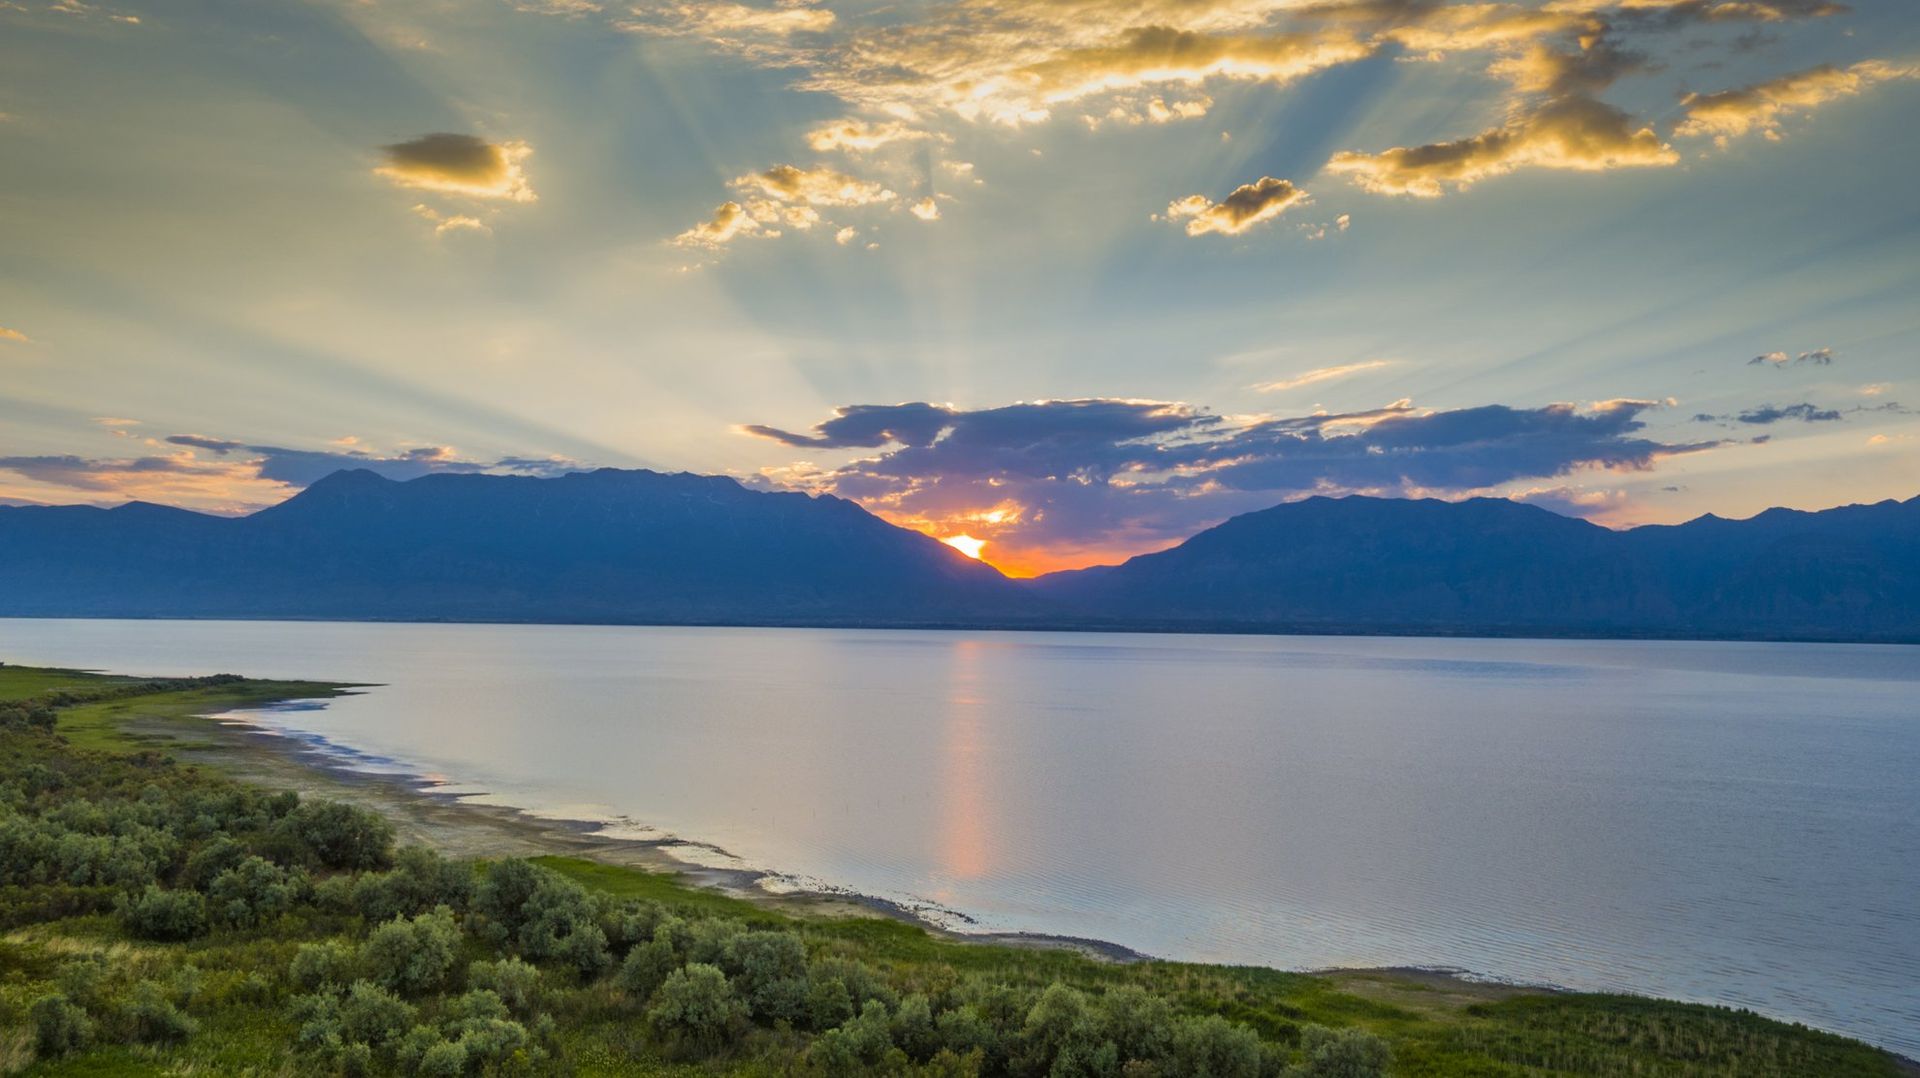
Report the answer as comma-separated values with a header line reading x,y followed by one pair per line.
x,y
1728,823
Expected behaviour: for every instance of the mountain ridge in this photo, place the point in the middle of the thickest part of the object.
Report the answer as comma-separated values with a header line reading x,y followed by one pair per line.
x,y
636,546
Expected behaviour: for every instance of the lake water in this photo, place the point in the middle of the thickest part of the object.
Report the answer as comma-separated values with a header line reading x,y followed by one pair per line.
x,y
1730,823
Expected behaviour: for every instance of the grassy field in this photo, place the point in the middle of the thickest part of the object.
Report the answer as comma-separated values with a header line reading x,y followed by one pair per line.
x,y
162,918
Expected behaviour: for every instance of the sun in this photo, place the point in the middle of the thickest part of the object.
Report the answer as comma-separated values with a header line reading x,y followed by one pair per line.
x,y
965,544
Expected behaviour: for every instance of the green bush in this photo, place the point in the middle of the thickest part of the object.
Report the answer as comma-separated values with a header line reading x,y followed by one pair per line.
x,y
411,956
253,892
769,972
515,982
421,881
59,1026
646,968
695,1010
155,1019
862,1045
338,835
166,916
323,967
1343,1053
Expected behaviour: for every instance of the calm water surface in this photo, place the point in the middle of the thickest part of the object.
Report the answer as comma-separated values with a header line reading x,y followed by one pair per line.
x,y
1731,823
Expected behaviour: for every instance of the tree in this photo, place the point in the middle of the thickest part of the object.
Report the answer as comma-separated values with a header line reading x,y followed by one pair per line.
x,y
59,1026
339,835
695,1010
166,916
411,956
1343,1053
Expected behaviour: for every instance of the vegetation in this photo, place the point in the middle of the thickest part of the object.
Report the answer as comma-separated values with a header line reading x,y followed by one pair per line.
x,y
161,918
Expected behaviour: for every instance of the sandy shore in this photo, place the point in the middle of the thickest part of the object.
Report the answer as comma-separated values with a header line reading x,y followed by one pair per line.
x,y
459,826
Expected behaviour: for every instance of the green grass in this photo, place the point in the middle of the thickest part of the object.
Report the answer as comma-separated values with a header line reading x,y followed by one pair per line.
x,y
243,1000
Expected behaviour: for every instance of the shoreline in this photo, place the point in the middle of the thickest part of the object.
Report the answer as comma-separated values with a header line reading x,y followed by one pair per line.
x,y
450,820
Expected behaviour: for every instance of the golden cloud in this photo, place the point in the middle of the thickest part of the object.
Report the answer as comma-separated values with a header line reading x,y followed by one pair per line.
x,y
722,20
14,335
1762,106
1248,205
729,220
926,209
814,187
859,136
459,165
1574,133
1323,374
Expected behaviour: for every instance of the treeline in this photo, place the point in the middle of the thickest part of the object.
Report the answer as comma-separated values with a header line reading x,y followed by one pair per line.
x,y
400,961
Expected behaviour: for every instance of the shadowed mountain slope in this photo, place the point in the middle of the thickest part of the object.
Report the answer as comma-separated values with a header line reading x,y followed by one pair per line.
x,y
643,547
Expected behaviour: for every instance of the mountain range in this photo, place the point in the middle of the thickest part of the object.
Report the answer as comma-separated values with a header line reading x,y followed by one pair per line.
x,y
614,546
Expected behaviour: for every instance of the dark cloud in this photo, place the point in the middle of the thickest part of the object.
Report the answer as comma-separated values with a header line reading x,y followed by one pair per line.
x,y
1099,471
87,473
1769,414
301,467
1819,357
228,473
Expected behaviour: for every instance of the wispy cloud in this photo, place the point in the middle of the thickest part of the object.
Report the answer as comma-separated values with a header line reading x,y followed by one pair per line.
x,y
1322,374
1764,106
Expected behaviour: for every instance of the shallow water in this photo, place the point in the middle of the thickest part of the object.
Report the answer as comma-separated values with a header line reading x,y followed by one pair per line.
x,y
1731,823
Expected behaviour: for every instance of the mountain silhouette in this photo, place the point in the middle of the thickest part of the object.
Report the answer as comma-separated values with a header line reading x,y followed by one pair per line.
x,y
613,546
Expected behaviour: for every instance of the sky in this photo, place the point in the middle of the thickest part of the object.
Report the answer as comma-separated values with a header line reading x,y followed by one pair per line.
x,y
1061,280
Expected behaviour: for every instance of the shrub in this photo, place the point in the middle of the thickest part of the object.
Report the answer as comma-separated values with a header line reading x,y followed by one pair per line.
x,y
413,956
216,855
157,914
371,1015
646,968
1216,1047
1139,1024
828,1002
1344,1053
322,967
155,1019
339,835
59,1026
863,1043
770,973
547,915
421,880
695,1009
912,1029
253,892
515,982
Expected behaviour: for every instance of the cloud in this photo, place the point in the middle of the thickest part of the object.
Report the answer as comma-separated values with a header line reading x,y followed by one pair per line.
x,y
1105,475
727,23
1323,374
846,235
1248,205
14,335
300,467
858,136
1819,357
926,209
445,223
465,165
1576,133
225,475
1763,106
814,187
729,220
1768,414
